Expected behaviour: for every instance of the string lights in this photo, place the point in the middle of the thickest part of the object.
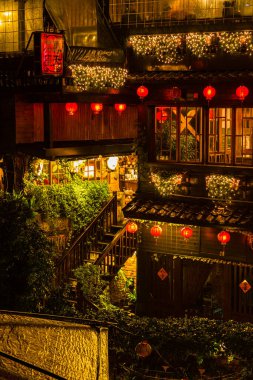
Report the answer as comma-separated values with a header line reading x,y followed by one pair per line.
x,y
97,77
222,187
172,48
166,184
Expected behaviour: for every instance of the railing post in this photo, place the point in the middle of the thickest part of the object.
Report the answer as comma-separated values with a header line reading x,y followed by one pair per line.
x,y
115,208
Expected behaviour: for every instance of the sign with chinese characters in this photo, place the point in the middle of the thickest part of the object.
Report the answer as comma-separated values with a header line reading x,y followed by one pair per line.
x,y
245,286
49,52
162,274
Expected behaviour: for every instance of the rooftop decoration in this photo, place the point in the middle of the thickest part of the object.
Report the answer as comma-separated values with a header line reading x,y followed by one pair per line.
x,y
97,77
172,48
222,187
166,183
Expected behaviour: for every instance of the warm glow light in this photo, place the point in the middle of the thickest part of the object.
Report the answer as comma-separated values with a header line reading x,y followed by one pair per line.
x,y
131,227
142,92
120,107
96,107
71,108
186,232
112,162
209,92
156,231
242,92
161,115
223,237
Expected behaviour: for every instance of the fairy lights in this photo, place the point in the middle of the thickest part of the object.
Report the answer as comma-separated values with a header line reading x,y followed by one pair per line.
x,y
172,48
222,187
97,77
166,184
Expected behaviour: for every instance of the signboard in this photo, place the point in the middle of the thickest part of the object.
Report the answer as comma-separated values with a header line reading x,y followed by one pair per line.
x,y
49,53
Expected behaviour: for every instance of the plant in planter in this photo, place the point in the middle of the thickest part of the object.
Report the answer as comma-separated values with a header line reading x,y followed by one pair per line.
x,y
166,183
222,187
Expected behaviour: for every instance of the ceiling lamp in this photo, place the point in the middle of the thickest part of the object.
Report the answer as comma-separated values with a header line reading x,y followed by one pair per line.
x,y
120,107
209,92
156,231
242,92
131,227
142,92
186,232
161,115
71,108
96,108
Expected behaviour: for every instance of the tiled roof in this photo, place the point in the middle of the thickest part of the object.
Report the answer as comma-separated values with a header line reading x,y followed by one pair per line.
x,y
194,212
214,76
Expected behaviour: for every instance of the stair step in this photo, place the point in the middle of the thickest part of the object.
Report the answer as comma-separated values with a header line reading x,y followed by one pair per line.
x,y
109,236
115,228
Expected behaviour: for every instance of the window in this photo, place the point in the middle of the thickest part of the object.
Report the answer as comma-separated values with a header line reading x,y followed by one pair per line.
x,y
178,134
244,136
220,135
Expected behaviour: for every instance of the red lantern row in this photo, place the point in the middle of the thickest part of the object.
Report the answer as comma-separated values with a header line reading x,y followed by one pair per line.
x,y
96,108
241,92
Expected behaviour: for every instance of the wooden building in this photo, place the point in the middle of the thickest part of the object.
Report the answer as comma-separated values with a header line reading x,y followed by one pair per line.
x,y
192,131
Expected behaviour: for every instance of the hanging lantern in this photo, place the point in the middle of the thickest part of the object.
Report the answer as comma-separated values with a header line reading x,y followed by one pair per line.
x,y
156,231
120,107
186,232
142,92
209,92
223,237
242,92
71,108
131,227
96,108
143,349
161,115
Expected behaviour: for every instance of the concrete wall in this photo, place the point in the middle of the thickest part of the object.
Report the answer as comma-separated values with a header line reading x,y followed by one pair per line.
x,y
72,351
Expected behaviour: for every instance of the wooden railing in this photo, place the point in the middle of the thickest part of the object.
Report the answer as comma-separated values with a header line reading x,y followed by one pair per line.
x,y
86,246
117,252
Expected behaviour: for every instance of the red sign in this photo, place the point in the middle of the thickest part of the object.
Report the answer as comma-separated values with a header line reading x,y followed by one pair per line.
x,y
245,286
162,274
49,50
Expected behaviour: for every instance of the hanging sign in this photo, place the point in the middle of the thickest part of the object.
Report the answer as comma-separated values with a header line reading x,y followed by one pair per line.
x,y
49,52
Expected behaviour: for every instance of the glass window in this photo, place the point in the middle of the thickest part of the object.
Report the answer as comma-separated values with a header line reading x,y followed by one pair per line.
x,y
244,136
178,134
220,135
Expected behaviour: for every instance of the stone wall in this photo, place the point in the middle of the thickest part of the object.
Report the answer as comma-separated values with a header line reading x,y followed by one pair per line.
x,y
72,351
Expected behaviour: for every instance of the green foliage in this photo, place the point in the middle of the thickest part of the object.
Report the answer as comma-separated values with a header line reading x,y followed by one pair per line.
x,y
185,345
26,263
77,200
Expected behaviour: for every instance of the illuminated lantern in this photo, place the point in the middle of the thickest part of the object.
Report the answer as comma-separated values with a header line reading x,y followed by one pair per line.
x,y
223,237
143,349
242,92
71,108
209,92
142,92
120,107
131,227
96,107
186,232
156,231
161,115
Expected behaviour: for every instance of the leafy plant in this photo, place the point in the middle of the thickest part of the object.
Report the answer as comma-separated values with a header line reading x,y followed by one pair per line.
x,y
222,187
166,183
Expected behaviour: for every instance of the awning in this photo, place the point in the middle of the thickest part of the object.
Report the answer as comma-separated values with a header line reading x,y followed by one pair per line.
x,y
199,212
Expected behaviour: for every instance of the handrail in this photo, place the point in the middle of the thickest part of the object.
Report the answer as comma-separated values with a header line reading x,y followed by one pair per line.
x,y
117,251
32,366
88,241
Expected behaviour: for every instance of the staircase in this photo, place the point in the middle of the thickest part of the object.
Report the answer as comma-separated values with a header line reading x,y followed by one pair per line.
x,y
103,242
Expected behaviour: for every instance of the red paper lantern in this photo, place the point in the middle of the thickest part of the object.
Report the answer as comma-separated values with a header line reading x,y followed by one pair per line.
x,y
120,107
96,107
209,92
71,108
156,231
142,92
131,227
161,115
186,232
242,92
143,349
223,237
